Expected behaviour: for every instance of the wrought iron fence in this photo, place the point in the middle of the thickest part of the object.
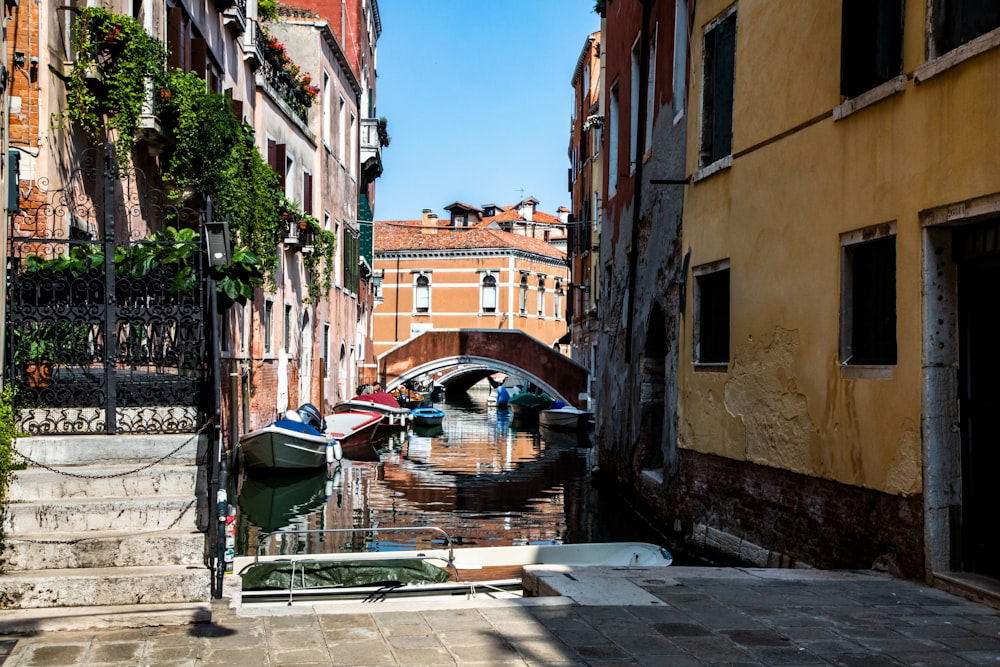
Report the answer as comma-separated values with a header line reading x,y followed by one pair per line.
x,y
106,310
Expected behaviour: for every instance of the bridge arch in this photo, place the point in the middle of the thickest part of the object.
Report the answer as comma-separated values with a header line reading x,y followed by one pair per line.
x,y
483,352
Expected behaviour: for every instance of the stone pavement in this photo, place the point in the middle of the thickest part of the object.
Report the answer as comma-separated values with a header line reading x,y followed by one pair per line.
x,y
677,616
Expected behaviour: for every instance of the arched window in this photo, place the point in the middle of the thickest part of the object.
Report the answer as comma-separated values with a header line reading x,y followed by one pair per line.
x,y
541,296
523,297
422,294
558,295
489,293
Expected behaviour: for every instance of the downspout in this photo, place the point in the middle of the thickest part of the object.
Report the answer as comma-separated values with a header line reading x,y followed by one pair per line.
x,y
640,142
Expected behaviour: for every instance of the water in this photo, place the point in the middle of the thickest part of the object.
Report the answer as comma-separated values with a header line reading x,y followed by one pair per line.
x,y
481,478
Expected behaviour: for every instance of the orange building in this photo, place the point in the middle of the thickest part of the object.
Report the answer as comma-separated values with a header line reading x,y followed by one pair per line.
x,y
465,273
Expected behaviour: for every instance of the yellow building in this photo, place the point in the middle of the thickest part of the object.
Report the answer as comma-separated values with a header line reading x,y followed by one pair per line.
x,y
837,358
437,274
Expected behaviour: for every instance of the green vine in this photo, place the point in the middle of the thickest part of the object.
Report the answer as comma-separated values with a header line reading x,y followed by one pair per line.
x,y
118,66
7,436
207,150
324,244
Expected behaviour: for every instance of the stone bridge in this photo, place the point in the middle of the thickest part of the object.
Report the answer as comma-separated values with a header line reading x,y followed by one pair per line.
x,y
469,355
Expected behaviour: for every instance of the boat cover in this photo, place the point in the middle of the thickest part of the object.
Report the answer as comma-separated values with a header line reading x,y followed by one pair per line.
x,y
274,575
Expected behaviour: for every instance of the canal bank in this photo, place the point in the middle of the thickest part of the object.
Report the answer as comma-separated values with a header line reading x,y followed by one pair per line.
x,y
680,616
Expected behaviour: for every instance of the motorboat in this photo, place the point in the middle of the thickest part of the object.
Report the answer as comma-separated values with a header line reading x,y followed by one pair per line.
x,y
526,405
565,418
297,441
285,444
354,430
394,417
427,416
439,569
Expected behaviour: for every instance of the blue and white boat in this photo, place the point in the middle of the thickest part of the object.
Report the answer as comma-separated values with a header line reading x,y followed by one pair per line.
x,y
427,416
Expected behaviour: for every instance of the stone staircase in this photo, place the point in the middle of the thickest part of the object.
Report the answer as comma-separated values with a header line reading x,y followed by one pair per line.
x,y
103,533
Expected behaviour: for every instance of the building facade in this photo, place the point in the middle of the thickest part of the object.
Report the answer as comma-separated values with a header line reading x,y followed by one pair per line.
x,y
436,275
583,231
304,334
831,354
641,263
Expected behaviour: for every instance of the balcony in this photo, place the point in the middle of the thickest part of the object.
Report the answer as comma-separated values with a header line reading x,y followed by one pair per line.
x,y
254,43
297,234
273,74
235,16
372,134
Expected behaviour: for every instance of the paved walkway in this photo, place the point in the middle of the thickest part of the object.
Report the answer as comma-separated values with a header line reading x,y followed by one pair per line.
x,y
678,616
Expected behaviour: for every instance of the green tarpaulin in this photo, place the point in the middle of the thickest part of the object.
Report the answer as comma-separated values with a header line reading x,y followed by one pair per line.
x,y
274,575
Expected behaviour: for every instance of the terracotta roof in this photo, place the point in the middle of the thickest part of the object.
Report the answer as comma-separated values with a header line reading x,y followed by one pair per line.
x,y
407,235
463,206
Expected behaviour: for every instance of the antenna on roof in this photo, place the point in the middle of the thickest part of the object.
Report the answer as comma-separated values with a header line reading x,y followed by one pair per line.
x,y
521,191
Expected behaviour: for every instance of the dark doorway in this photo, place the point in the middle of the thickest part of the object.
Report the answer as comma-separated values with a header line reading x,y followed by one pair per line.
x,y
978,256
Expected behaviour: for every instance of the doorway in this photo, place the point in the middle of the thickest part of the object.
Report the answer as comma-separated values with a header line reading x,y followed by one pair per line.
x,y
977,254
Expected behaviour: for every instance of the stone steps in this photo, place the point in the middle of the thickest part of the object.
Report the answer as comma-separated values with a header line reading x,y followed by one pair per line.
x,y
108,481
107,523
102,514
80,587
86,549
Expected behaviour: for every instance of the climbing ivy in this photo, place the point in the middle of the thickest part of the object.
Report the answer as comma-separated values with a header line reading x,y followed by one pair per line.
x,y
7,436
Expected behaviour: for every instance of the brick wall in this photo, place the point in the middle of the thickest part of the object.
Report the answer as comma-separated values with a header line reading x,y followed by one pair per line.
x,y
799,518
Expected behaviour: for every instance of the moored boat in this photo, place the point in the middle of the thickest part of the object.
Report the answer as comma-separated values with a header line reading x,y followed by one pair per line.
x,y
284,444
296,441
427,416
354,430
565,418
395,418
526,405
440,569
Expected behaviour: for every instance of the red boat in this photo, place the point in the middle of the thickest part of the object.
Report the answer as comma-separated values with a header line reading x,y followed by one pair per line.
x,y
354,430
395,418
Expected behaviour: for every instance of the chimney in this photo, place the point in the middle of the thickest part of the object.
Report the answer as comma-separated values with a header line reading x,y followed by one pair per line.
x,y
563,214
428,222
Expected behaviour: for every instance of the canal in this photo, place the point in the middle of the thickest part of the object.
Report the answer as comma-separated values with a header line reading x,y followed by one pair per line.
x,y
481,477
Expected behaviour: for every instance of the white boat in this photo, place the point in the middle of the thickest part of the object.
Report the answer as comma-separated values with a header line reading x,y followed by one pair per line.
x,y
444,570
566,418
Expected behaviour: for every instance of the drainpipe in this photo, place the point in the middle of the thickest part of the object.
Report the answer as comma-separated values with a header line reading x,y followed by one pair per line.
x,y
640,142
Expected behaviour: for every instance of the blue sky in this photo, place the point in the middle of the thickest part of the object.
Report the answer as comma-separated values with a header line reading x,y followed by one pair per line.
x,y
478,98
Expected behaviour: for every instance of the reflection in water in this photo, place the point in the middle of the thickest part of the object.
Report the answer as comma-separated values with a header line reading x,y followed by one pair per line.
x,y
478,477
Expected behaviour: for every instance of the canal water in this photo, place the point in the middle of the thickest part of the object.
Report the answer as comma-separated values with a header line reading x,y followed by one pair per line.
x,y
481,477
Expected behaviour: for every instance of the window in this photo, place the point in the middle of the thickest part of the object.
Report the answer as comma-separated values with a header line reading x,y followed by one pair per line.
x,y
522,303
711,317
541,296
326,349
633,121
325,125
268,325
717,89
680,58
613,142
349,159
868,297
958,22
871,44
307,193
557,307
287,330
650,92
342,130
489,293
422,294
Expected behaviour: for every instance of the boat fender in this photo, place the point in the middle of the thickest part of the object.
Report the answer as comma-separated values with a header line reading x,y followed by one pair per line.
x,y
334,452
